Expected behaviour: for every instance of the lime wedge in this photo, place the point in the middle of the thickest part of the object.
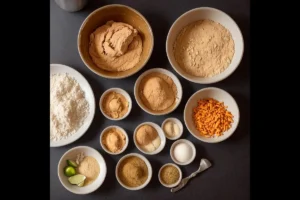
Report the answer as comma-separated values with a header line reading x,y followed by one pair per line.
x,y
76,179
72,163
80,184
69,171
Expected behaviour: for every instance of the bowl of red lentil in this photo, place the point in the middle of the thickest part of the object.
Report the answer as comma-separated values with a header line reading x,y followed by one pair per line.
x,y
211,115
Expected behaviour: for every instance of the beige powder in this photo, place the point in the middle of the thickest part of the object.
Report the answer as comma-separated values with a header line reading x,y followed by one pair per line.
x,y
114,140
204,48
158,91
90,168
115,105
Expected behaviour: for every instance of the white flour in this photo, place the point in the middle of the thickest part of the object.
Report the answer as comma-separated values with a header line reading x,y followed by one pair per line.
x,y
68,106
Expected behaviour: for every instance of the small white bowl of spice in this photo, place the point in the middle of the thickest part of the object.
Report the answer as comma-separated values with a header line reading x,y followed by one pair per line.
x,y
172,128
114,140
169,175
81,170
115,104
183,152
149,138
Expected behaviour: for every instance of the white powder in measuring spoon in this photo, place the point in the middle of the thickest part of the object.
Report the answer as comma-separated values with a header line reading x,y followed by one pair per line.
x,y
68,106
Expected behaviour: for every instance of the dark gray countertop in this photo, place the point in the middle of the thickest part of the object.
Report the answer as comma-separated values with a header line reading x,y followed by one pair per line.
x,y
229,178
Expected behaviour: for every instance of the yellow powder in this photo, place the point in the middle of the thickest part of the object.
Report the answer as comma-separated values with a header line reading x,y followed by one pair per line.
x,y
204,48
90,168
157,91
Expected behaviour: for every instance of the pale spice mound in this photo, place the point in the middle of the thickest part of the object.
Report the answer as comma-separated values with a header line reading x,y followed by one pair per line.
x,y
204,48
114,140
115,105
148,138
133,171
90,168
115,46
158,91
68,106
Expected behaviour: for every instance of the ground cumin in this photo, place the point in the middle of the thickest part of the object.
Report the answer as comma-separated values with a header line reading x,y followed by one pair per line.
x,y
90,168
157,91
169,174
133,171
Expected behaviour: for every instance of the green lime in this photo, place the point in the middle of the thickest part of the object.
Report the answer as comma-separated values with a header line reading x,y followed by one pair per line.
x,y
80,184
69,171
76,179
72,163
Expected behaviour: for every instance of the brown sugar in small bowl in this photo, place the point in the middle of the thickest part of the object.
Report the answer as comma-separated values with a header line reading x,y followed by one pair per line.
x,y
118,13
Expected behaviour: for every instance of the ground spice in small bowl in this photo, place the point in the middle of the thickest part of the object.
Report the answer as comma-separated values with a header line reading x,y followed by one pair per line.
x,y
147,138
90,168
115,105
133,171
169,175
212,118
113,140
157,91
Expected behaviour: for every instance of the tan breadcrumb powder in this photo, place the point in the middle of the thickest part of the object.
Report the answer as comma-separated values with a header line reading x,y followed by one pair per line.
x,y
204,48
169,175
90,168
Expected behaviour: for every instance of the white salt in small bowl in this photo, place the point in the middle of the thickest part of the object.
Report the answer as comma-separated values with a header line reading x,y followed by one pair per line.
x,y
160,134
174,184
120,91
213,14
177,98
126,140
71,154
192,156
174,120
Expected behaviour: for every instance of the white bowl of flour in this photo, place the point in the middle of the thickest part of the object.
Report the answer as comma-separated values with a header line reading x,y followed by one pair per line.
x,y
204,45
72,105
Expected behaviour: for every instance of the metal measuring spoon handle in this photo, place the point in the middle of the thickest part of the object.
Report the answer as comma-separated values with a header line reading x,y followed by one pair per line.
x,y
204,164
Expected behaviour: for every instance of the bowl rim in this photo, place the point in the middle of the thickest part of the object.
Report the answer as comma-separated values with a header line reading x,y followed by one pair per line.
x,y
137,83
176,120
187,142
232,130
206,81
104,7
123,131
148,166
127,96
162,138
91,149
174,184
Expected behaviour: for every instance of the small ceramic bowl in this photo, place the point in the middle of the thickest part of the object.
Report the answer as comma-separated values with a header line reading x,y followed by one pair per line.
x,y
120,91
160,134
71,154
174,120
220,95
118,13
214,15
188,143
126,140
148,166
176,82
174,184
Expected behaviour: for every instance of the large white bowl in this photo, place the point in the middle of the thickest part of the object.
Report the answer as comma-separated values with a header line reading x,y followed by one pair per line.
x,y
71,154
176,82
89,95
217,16
148,166
220,95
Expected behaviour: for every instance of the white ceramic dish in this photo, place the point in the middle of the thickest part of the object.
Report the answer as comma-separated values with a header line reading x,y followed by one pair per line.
x,y
89,95
171,185
71,154
188,143
148,166
178,122
219,95
120,91
217,16
160,134
176,82
126,142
